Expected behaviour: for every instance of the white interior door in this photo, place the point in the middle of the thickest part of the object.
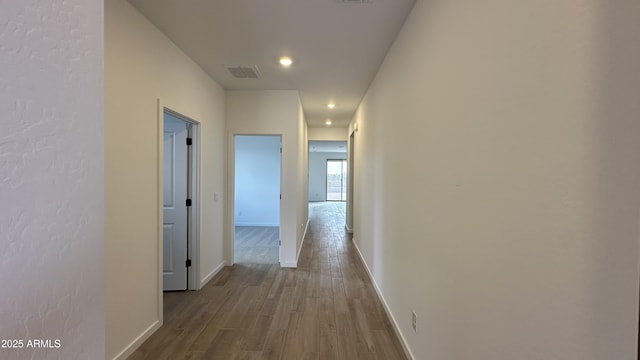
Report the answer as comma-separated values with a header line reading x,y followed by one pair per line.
x,y
175,211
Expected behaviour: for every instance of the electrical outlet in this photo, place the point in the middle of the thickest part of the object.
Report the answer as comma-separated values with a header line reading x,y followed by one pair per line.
x,y
414,321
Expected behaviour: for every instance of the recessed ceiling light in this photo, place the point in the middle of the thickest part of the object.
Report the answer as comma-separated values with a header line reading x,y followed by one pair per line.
x,y
328,122
331,105
286,61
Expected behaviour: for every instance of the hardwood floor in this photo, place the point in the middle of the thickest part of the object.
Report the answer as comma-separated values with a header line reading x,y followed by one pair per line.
x,y
325,309
257,244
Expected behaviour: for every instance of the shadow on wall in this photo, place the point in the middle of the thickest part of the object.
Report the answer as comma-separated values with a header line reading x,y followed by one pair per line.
x,y
616,139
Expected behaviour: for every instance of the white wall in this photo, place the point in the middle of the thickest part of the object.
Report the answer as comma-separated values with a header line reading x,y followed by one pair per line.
x,y
318,174
51,178
275,112
328,133
501,203
257,181
142,66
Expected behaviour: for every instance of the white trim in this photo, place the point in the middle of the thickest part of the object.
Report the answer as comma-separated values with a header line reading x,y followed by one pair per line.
x,y
194,246
304,236
394,323
289,264
350,183
213,273
159,225
135,344
229,227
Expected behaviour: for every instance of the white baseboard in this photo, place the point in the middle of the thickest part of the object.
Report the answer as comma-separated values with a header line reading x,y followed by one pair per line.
x,y
135,344
304,236
394,323
349,230
289,264
213,273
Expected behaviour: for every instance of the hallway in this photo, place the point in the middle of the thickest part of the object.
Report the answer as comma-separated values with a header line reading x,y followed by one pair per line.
x,y
327,308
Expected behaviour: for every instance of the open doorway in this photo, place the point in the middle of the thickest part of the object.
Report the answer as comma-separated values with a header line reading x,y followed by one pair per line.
x,y
328,178
350,177
327,170
257,167
179,210
336,180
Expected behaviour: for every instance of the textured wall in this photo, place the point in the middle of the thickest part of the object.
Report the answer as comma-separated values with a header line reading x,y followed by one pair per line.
x,y
497,170
51,178
142,66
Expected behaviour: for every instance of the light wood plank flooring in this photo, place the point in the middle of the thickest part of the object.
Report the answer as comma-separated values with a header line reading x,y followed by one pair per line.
x,y
257,245
325,309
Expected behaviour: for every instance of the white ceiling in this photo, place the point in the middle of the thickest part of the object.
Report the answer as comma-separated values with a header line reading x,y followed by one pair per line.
x,y
336,47
328,146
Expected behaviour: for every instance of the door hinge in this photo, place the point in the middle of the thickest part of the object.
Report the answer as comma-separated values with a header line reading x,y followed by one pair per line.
x,y
280,150
188,202
279,242
280,196
188,263
189,141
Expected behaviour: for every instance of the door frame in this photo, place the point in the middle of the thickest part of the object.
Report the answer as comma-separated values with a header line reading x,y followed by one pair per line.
x,y
350,174
231,196
193,243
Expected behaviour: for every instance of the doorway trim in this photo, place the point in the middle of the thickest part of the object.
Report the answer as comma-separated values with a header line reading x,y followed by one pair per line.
x,y
350,184
193,245
231,196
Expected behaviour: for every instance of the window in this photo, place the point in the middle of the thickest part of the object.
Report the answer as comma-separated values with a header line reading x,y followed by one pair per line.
x,y
336,180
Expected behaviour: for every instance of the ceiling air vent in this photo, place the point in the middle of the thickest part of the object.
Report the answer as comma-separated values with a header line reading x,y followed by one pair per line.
x,y
244,72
